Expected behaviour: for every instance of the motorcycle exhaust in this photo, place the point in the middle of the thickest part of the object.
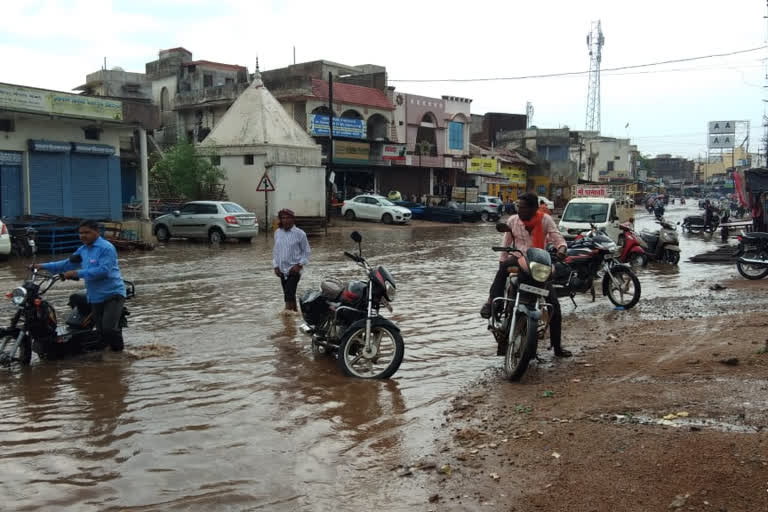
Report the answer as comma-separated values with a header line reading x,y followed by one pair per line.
x,y
751,261
306,329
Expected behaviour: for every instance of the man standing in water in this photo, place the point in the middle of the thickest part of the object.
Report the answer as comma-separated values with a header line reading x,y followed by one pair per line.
x,y
104,286
289,256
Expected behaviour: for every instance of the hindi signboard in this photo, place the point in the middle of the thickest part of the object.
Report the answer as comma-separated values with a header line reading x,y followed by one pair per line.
x,y
14,97
342,127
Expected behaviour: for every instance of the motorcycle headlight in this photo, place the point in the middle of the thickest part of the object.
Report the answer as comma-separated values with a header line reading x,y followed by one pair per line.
x,y
390,290
19,295
540,272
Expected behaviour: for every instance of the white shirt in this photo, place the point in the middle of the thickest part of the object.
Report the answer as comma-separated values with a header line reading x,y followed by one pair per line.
x,y
291,248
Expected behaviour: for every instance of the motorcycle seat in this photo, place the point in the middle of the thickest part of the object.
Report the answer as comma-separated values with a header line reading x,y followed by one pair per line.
x,y
80,301
756,236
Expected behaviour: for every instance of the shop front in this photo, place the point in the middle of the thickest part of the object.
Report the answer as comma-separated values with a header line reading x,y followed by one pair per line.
x,y
352,172
11,188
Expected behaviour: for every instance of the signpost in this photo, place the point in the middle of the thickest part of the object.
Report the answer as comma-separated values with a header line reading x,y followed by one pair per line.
x,y
265,185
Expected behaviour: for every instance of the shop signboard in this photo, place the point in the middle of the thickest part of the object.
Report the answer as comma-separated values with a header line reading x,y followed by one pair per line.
x,y
515,176
14,97
482,166
342,127
591,191
357,151
394,152
10,158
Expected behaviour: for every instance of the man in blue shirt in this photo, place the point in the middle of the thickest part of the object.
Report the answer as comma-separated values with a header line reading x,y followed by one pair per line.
x,y
104,285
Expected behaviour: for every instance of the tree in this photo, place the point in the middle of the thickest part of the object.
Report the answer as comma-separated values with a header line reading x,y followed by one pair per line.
x,y
185,172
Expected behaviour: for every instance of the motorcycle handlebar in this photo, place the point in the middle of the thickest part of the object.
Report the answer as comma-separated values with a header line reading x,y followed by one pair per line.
x,y
353,257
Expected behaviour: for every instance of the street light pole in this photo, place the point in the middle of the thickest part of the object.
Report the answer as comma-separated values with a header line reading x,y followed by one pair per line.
x,y
329,159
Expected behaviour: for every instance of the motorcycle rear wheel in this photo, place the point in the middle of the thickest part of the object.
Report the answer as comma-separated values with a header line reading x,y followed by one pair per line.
x,y
620,293
672,257
521,348
749,271
352,362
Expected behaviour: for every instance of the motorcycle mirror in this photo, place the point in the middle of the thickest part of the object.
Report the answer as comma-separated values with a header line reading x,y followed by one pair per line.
x,y
502,227
357,237
176,213
75,258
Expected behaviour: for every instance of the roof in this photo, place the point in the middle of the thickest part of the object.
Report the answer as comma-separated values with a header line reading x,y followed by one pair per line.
x,y
256,118
352,94
176,49
218,65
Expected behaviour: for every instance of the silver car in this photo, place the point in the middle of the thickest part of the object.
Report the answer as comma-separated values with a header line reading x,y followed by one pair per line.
x,y
214,220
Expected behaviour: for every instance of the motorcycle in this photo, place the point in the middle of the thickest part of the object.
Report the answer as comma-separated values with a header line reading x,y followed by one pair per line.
x,y
521,317
23,242
344,321
658,211
753,255
590,259
662,245
632,251
697,223
34,327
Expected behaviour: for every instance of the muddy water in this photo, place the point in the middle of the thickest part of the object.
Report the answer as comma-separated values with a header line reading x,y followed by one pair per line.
x,y
220,403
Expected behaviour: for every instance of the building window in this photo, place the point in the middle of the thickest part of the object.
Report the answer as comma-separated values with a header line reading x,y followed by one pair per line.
x,y
229,81
610,166
216,160
6,125
164,100
207,80
247,159
91,133
455,135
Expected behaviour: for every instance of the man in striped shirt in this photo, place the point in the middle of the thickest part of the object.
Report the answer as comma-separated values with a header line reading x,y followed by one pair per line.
x,y
289,256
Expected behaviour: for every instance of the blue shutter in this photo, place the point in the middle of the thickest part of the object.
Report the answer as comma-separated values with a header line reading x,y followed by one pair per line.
x,y
10,191
90,186
46,188
128,177
455,135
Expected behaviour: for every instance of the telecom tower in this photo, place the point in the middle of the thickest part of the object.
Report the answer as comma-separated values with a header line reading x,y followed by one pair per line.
x,y
595,42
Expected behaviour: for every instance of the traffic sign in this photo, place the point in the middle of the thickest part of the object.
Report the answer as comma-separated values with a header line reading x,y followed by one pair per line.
x,y
265,184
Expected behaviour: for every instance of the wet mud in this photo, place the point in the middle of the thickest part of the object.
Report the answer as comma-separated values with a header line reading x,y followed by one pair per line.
x,y
220,403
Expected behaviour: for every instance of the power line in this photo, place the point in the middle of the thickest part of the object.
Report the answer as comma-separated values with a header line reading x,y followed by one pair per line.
x,y
577,73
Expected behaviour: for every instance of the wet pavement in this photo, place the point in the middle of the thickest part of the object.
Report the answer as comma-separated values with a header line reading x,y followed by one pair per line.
x,y
219,401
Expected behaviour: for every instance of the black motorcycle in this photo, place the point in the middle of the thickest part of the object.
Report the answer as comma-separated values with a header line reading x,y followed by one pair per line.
x,y
753,255
697,223
344,321
521,317
34,327
23,242
590,259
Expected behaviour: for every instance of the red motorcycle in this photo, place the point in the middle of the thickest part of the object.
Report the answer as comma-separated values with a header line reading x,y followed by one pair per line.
x,y
632,252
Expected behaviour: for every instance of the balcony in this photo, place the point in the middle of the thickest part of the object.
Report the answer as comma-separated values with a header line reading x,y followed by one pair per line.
x,y
216,95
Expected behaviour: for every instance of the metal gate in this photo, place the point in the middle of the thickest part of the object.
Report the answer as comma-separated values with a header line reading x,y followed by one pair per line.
x,y
46,184
11,200
90,186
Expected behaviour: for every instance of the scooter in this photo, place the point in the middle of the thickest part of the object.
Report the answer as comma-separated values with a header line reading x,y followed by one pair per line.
x,y
632,251
34,327
662,245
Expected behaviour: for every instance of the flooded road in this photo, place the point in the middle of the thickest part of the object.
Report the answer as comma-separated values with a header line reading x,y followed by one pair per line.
x,y
219,401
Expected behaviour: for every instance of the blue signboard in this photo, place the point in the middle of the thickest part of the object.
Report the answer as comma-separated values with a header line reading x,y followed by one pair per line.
x,y
342,127
10,158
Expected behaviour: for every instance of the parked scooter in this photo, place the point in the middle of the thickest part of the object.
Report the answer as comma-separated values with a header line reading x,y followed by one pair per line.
x,y
632,252
521,317
344,321
34,327
662,245
753,255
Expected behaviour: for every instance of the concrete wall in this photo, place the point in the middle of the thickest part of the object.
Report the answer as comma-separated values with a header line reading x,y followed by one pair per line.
x,y
603,151
60,130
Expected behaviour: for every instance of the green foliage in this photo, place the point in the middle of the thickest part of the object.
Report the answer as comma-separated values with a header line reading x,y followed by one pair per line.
x,y
523,409
185,172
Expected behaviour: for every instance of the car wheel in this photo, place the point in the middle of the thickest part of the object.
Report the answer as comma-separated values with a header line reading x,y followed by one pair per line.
x,y
215,236
162,234
349,215
484,217
386,218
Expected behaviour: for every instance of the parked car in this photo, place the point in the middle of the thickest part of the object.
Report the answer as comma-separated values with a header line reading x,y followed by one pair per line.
x,y
468,213
369,206
488,207
5,242
214,220
417,209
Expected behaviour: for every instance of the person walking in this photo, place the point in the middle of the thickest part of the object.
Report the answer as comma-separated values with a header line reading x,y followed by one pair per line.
x,y
289,256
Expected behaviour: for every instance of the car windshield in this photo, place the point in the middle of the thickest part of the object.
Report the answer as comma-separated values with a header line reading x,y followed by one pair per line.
x,y
585,212
385,202
233,208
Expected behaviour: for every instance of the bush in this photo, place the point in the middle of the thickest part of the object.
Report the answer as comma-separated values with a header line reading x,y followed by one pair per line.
x,y
185,172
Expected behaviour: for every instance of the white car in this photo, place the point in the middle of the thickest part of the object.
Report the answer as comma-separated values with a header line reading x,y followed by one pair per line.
x,y
369,206
549,203
5,242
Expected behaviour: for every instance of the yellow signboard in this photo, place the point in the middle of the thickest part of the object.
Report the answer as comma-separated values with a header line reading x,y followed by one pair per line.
x,y
482,166
344,150
515,176
14,97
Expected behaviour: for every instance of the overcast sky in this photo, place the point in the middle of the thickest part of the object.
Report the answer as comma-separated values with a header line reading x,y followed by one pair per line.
x,y
54,44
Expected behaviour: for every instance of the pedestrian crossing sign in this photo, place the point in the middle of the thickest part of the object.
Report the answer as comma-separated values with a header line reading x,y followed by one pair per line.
x,y
265,184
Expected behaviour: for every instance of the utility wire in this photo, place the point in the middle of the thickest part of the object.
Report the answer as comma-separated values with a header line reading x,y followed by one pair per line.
x,y
576,73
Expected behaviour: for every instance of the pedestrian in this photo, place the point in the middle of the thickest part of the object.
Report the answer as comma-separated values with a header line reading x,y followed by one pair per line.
x,y
543,208
95,262
289,256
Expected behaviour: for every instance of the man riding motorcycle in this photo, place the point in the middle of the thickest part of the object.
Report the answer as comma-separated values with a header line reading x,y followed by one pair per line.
x,y
530,228
105,289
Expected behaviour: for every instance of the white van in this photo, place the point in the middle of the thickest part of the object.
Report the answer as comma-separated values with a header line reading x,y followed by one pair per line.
x,y
581,211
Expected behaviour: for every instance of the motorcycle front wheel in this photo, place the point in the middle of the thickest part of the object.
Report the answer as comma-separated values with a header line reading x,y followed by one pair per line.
x,y
521,348
388,350
672,257
625,292
751,271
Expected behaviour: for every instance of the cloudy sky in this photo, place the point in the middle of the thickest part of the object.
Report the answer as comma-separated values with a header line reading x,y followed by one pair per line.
x,y
54,44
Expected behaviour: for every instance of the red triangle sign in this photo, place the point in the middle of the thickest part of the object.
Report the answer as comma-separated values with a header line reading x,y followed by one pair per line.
x,y
265,184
